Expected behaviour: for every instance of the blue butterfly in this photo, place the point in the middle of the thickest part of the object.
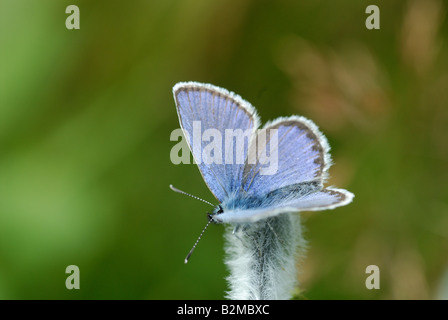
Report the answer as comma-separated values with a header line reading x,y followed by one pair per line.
x,y
246,195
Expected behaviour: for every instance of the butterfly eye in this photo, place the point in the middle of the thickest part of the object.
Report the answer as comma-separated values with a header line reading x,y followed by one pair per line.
x,y
220,210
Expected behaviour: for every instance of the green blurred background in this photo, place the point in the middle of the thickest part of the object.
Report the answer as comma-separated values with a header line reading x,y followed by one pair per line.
x,y
86,116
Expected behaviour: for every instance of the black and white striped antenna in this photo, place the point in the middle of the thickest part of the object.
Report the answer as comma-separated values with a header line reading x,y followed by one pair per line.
x,y
196,243
203,230
190,195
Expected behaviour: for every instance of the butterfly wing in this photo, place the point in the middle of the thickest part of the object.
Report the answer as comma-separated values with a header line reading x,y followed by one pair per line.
x,y
297,185
303,155
206,111
328,198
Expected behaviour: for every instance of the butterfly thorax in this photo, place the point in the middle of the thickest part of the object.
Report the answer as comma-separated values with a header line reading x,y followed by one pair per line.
x,y
240,201
236,201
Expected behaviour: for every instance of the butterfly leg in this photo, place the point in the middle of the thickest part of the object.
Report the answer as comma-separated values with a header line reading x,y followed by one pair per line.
x,y
275,233
236,231
244,230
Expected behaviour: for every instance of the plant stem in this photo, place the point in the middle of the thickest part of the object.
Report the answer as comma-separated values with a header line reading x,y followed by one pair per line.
x,y
262,258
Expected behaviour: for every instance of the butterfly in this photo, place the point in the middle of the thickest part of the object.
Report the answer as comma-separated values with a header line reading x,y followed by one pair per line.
x,y
244,193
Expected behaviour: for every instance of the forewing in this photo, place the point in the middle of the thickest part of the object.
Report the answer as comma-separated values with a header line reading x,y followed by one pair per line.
x,y
204,108
302,155
328,198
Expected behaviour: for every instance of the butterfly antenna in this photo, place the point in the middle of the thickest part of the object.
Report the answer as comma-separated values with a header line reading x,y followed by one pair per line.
x,y
196,243
190,195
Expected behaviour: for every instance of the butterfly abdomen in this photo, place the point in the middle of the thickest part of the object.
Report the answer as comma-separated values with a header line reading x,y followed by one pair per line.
x,y
244,200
